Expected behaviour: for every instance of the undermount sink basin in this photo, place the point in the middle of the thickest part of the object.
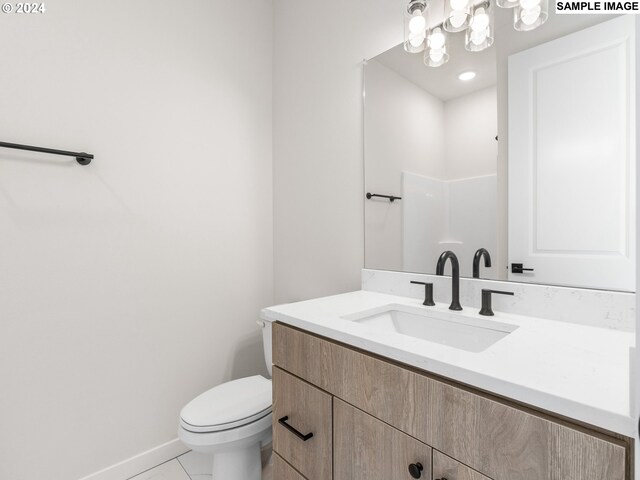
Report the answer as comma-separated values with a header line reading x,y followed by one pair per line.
x,y
453,329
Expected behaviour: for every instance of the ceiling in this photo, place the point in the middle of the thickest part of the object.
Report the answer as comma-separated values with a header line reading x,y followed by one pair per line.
x,y
442,82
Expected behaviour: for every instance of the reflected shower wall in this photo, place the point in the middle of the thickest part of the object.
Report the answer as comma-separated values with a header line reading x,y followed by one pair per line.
x,y
457,215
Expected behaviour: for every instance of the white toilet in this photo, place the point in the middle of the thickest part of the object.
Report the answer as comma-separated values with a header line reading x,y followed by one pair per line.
x,y
231,422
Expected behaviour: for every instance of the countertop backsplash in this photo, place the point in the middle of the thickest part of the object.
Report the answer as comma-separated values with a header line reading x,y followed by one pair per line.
x,y
597,308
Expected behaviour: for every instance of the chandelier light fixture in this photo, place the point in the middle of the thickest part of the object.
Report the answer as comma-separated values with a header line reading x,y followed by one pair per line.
x,y
530,14
436,53
475,18
479,35
457,15
415,26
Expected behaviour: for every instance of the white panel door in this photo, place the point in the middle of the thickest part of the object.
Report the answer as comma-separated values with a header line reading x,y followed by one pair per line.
x,y
572,159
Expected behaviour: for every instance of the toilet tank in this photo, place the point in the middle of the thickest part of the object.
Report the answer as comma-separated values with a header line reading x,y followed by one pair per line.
x,y
266,342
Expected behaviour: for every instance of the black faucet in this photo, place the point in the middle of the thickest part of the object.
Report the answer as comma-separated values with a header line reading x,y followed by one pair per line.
x,y
428,293
482,252
455,277
486,301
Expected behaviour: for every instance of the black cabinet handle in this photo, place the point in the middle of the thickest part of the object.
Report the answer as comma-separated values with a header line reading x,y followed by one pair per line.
x,y
301,436
519,268
441,478
415,470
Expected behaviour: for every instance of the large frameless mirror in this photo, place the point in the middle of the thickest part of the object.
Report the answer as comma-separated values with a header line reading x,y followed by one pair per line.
x,y
518,147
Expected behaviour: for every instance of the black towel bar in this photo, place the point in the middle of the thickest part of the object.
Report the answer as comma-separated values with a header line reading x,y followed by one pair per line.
x,y
81,157
390,197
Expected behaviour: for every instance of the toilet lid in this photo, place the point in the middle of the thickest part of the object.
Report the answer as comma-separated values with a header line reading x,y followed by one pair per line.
x,y
229,405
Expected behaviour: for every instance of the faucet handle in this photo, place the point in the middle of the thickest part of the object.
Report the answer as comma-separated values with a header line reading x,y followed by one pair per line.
x,y
428,293
486,301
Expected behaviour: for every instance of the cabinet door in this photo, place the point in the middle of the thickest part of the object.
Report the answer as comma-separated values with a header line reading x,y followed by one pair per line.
x,y
302,425
368,449
446,468
283,471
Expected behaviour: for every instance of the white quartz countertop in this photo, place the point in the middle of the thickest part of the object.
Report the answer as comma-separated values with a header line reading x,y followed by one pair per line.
x,y
580,372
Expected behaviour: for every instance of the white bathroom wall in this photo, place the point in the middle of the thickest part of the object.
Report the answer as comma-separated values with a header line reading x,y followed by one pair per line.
x,y
425,221
318,184
471,152
470,128
404,133
130,285
404,129
472,221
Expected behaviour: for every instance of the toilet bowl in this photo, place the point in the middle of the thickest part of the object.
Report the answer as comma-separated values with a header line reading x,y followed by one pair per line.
x,y
231,422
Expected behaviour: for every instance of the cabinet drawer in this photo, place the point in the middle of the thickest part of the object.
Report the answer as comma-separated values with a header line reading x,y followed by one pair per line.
x,y
367,449
300,409
446,468
500,440
283,471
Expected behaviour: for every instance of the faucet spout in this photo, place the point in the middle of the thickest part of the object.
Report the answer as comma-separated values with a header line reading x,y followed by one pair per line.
x,y
480,254
455,277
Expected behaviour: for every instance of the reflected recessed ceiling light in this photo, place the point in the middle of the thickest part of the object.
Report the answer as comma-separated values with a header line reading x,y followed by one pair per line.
x,y
467,76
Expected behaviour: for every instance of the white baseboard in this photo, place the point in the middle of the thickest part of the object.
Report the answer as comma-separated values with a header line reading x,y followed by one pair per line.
x,y
141,462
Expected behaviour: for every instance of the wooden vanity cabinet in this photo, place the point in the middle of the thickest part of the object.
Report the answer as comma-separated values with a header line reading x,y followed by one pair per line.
x,y
446,468
302,429
375,418
283,471
367,449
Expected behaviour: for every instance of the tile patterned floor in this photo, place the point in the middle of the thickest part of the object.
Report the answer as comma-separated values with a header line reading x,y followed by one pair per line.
x,y
171,470
193,466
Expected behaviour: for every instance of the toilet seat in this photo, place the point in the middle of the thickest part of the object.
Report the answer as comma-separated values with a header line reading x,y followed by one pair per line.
x,y
255,432
230,405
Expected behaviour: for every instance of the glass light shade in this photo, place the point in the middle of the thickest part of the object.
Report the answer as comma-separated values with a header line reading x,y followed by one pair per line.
x,y
436,54
479,35
530,14
415,26
506,3
457,14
